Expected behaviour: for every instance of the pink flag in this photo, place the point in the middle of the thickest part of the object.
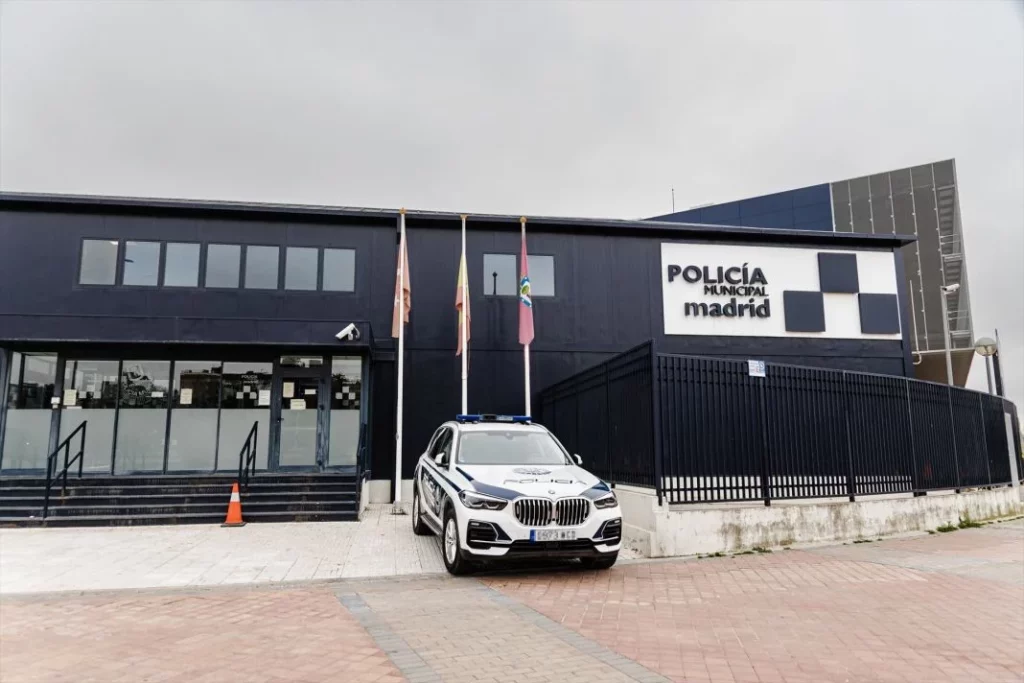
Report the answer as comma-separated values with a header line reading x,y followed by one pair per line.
x,y
403,290
462,305
525,302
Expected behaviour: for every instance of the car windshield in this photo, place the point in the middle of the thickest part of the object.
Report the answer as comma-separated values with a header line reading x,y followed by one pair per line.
x,y
510,447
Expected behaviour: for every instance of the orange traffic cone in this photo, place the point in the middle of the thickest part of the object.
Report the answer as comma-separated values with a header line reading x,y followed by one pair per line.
x,y
234,517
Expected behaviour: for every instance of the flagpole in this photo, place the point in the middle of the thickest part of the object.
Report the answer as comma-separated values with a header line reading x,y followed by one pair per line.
x,y
526,347
401,362
464,328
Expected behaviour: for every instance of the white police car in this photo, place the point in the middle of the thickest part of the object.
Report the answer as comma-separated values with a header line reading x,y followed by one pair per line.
x,y
499,488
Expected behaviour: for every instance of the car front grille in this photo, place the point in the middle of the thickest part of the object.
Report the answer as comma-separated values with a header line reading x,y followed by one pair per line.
x,y
572,511
542,512
534,511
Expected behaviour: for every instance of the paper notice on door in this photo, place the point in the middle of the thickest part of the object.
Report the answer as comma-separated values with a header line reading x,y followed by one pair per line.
x,y
185,398
297,404
288,389
156,394
264,399
310,392
70,397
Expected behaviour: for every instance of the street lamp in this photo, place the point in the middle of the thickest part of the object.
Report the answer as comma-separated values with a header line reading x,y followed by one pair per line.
x,y
986,346
946,291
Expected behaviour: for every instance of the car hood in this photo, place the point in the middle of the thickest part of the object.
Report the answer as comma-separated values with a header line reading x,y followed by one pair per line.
x,y
544,481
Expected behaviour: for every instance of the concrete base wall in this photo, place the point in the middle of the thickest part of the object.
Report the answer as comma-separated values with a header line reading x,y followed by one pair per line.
x,y
663,531
379,491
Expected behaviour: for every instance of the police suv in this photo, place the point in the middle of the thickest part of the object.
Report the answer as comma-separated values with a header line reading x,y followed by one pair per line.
x,y
499,488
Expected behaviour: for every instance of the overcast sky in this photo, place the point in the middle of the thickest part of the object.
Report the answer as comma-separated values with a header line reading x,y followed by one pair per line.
x,y
584,109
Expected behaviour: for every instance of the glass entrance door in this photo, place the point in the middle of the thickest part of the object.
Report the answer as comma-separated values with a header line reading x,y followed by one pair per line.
x,y
300,407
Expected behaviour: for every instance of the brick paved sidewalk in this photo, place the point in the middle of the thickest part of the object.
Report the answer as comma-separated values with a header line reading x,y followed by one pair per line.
x,y
938,608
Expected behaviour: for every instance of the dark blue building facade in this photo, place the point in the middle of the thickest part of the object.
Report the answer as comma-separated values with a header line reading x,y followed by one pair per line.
x,y
175,326
808,208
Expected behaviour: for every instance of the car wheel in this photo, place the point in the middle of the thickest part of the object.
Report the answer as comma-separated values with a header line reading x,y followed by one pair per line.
x,y
419,527
453,561
603,562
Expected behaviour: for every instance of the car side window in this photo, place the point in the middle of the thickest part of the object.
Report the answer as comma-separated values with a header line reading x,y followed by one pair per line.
x,y
432,444
443,448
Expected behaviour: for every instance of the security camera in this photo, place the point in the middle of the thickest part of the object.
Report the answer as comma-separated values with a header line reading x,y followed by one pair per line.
x,y
349,333
951,289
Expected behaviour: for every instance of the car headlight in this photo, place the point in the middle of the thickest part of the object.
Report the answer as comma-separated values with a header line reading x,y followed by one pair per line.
x,y
608,501
478,501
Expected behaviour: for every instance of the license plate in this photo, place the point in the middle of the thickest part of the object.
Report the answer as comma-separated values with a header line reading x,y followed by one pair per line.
x,y
538,535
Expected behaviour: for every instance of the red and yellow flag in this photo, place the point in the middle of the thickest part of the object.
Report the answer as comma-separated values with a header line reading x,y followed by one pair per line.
x,y
462,305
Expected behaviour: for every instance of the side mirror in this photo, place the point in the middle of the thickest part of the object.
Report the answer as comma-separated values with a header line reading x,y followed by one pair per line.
x,y
579,460
441,459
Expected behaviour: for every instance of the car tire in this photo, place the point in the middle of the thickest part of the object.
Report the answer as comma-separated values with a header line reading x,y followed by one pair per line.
x,y
603,562
450,550
419,527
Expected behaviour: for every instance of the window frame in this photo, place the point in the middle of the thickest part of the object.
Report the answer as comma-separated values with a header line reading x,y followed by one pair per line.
x,y
200,270
123,255
319,268
515,275
554,282
323,271
117,261
204,258
244,268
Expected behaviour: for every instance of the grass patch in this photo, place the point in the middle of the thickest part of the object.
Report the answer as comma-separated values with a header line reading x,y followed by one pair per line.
x,y
863,540
931,532
760,549
946,528
746,552
967,523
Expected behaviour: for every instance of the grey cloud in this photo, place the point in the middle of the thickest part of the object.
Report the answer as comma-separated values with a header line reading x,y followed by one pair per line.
x,y
552,108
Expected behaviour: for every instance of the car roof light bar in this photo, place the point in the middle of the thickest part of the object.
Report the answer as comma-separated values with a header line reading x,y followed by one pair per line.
x,y
517,419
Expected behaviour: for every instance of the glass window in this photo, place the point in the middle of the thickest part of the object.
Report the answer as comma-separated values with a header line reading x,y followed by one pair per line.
x,y
142,421
141,263
500,277
222,265
245,399
99,262
300,268
194,406
181,265
302,361
346,398
261,267
29,394
339,270
510,448
542,275
90,394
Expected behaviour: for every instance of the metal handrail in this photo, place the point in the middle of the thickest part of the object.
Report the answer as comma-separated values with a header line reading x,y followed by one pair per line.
x,y
51,465
247,456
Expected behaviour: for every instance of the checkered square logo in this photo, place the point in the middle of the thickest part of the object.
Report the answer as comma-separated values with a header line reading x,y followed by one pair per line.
x,y
805,311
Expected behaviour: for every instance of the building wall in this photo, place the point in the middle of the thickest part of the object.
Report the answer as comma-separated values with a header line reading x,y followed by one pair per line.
x,y
921,201
607,299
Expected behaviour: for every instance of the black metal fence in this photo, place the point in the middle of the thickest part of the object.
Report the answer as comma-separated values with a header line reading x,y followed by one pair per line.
x,y
706,430
605,413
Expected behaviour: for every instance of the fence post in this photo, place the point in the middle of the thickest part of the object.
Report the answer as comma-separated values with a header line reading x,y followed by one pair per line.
x,y
984,438
952,427
656,424
913,445
766,491
851,488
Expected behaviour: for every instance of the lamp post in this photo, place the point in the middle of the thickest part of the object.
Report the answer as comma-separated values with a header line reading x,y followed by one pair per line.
x,y
986,346
946,291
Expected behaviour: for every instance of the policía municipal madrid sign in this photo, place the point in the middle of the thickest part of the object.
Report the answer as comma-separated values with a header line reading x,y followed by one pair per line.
x,y
746,282
770,291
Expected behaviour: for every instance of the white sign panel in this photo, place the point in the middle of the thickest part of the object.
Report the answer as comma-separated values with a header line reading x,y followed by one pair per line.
x,y
755,368
264,397
744,291
185,397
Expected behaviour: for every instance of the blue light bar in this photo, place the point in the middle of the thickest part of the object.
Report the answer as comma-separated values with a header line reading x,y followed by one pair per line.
x,y
517,419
